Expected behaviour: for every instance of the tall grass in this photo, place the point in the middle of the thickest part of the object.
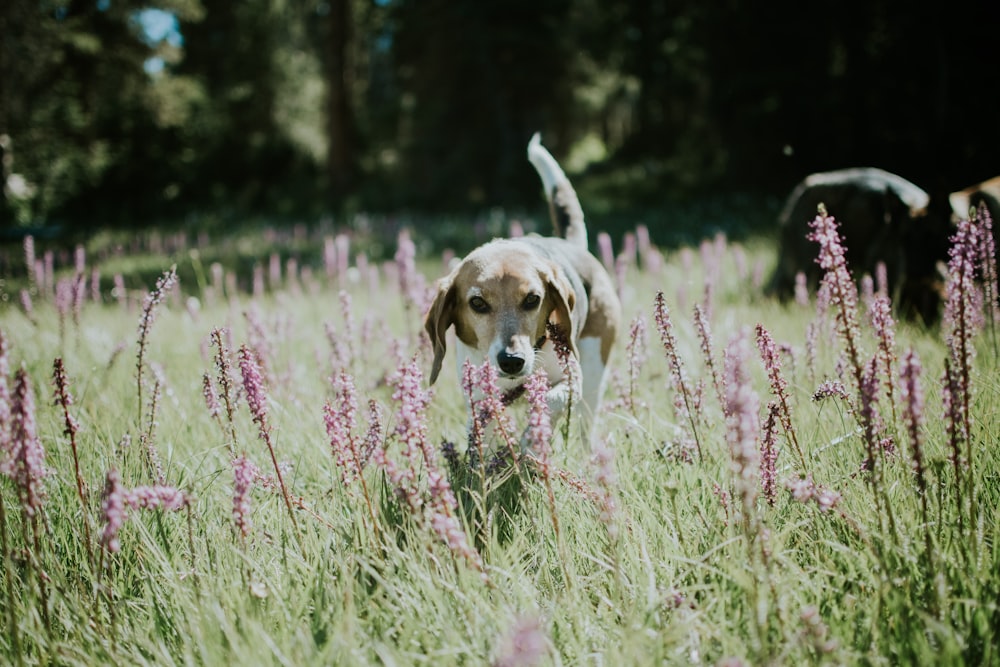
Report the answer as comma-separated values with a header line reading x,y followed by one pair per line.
x,y
815,503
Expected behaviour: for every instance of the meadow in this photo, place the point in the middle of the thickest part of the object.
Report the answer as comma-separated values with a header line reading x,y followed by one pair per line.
x,y
247,466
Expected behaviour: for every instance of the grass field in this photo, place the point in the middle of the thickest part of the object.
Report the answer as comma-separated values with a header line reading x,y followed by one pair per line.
x,y
195,474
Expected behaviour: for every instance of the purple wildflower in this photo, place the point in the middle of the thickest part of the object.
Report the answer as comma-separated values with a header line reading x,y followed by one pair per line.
x,y
63,302
5,413
259,287
27,457
341,355
539,431
568,362
705,337
153,460
712,253
605,251
160,496
330,259
805,490
830,389
49,270
253,384
218,279
885,330
769,454
740,261
635,351
539,436
259,342
347,314
412,285
343,245
881,279
839,286
912,396
79,294
621,275
402,479
988,261
211,396
492,407
524,646
164,285
112,511
913,401
29,259
411,425
801,289
274,272
373,436
245,474
340,419
257,401
742,425
28,305
224,369
867,292
724,499
64,399
449,530
292,275
411,431
870,420
149,307
662,316
116,500
816,631
476,424
605,479
772,365
119,291
961,319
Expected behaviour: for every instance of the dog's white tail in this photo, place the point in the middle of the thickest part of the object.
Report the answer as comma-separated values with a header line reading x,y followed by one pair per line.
x,y
564,206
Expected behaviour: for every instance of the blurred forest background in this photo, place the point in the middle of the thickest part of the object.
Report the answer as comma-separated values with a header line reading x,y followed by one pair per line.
x,y
136,113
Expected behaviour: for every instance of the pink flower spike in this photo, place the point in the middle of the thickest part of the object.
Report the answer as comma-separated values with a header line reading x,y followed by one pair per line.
x,y
6,452
539,431
245,474
340,419
524,646
742,423
211,396
772,365
112,511
27,456
253,383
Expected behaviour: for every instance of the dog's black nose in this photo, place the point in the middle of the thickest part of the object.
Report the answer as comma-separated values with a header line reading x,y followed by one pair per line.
x,y
510,363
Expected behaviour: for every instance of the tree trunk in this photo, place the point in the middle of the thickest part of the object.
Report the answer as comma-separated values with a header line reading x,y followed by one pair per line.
x,y
341,149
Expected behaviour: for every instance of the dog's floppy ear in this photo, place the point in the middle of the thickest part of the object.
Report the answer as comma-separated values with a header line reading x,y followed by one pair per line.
x,y
440,316
560,291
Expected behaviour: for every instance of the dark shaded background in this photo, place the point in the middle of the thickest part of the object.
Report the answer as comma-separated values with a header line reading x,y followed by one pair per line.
x,y
303,108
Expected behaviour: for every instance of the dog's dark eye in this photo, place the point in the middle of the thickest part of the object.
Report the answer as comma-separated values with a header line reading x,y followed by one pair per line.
x,y
478,304
531,302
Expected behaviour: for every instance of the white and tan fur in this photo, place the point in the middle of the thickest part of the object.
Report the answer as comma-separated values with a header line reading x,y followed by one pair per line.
x,y
503,294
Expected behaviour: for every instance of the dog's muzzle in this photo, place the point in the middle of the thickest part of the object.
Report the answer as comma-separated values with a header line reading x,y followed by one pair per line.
x,y
510,364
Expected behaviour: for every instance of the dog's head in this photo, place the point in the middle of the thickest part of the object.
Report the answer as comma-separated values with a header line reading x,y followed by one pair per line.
x,y
500,299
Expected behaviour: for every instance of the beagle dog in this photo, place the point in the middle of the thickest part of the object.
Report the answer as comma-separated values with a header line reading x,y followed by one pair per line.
x,y
503,295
